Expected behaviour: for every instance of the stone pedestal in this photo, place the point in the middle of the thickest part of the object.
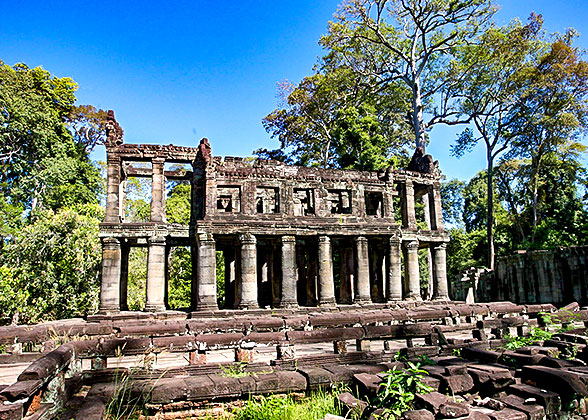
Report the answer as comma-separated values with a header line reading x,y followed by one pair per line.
x,y
440,289
158,191
110,282
326,281
363,271
288,295
206,273
155,293
412,270
394,289
248,289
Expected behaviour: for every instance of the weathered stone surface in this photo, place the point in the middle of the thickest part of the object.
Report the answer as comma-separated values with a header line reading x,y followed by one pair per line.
x,y
11,412
92,409
490,378
548,399
331,334
457,384
21,389
481,355
48,365
431,401
453,410
317,377
508,414
352,405
368,384
418,415
533,411
566,384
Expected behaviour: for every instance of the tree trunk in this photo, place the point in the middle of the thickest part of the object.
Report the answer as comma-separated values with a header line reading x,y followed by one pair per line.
x,y
417,115
490,221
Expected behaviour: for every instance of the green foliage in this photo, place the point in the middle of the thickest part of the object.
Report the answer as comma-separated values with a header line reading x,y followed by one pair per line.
x,y
180,278
236,370
220,279
536,335
275,407
137,278
55,263
399,388
178,204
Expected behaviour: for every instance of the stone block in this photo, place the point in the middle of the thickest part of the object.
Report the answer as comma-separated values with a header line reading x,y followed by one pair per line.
x,y
452,410
48,365
21,389
484,356
317,377
548,399
565,383
225,386
490,378
457,384
11,412
508,414
91,409
431,401
351,405
368,384
418,415
533,411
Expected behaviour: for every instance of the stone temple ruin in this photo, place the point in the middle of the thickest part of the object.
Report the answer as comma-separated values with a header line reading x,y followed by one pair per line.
x,y
323,248
277,226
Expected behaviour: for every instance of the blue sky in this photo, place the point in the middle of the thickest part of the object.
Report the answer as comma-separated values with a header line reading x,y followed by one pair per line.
x,y
177,71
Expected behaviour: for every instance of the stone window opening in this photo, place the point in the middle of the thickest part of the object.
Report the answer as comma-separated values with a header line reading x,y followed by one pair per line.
x,y
339,201
303,201
266,200
228,199
374,204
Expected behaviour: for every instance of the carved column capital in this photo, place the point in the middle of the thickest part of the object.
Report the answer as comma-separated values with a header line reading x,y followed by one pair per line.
x,y
156,240
288,238
324,238
412,245
247,239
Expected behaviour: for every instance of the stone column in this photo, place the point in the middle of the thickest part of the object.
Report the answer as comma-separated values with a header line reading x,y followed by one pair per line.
x,y
435,207
206,273
412,270
326,280
440,290
288,295
362,294
113,188
158,190
110,282
248,289
125,250
408,216
346,274
395,271
155,293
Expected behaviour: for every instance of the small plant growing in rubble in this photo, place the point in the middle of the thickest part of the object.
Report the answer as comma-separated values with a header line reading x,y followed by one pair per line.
x,y
235,370
399,388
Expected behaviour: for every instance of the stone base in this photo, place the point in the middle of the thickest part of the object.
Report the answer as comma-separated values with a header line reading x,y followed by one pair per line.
x,y
108,310
363,300
328,303
155,308
206,306
288,304
248,305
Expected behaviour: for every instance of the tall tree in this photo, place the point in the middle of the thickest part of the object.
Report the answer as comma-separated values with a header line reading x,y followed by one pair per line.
x,y
411,42
497,65
333,119
552,111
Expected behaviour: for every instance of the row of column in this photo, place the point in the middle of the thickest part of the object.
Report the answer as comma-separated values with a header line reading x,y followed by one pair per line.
x,y
204,291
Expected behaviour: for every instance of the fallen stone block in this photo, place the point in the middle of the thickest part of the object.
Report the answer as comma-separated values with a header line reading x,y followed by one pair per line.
x,y
533,411
484,356
21,389
565,383
317,377
368,384
49,365
351,404
11,412
452,410
548,399
457,384
508,414
418,415
490,378
431,401
91,409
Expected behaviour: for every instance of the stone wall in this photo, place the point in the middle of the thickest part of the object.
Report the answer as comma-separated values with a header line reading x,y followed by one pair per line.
x,y
557,276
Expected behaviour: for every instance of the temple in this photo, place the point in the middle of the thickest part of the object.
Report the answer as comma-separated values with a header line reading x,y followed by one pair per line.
x,y
290,236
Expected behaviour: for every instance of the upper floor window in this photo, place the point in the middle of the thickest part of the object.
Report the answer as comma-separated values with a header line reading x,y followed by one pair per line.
x,y
303,201
228,199
339,201
374,204
266,200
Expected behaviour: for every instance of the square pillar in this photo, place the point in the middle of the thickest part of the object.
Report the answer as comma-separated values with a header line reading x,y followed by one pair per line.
x,y
155,293
110,280
363,293
408,215
158,190
394,289
435,207
248,289
440,289
326,280
113,169
205,273
412,270
288,293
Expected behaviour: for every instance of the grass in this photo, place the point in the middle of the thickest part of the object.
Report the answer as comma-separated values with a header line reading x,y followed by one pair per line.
x,y
276,407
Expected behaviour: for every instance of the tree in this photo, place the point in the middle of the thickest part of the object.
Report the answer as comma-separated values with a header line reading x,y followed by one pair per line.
x,y
40,163
488,93
333,119
552,112
411,43
88,126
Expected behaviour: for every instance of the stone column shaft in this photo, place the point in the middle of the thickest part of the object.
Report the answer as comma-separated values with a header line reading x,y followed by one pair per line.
x,y
155,293
440,290
124,276
206,273
412,270
362,294
113,188
326,280
288,293
248,289
110,281
158,190
395,271
409,216
435,207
